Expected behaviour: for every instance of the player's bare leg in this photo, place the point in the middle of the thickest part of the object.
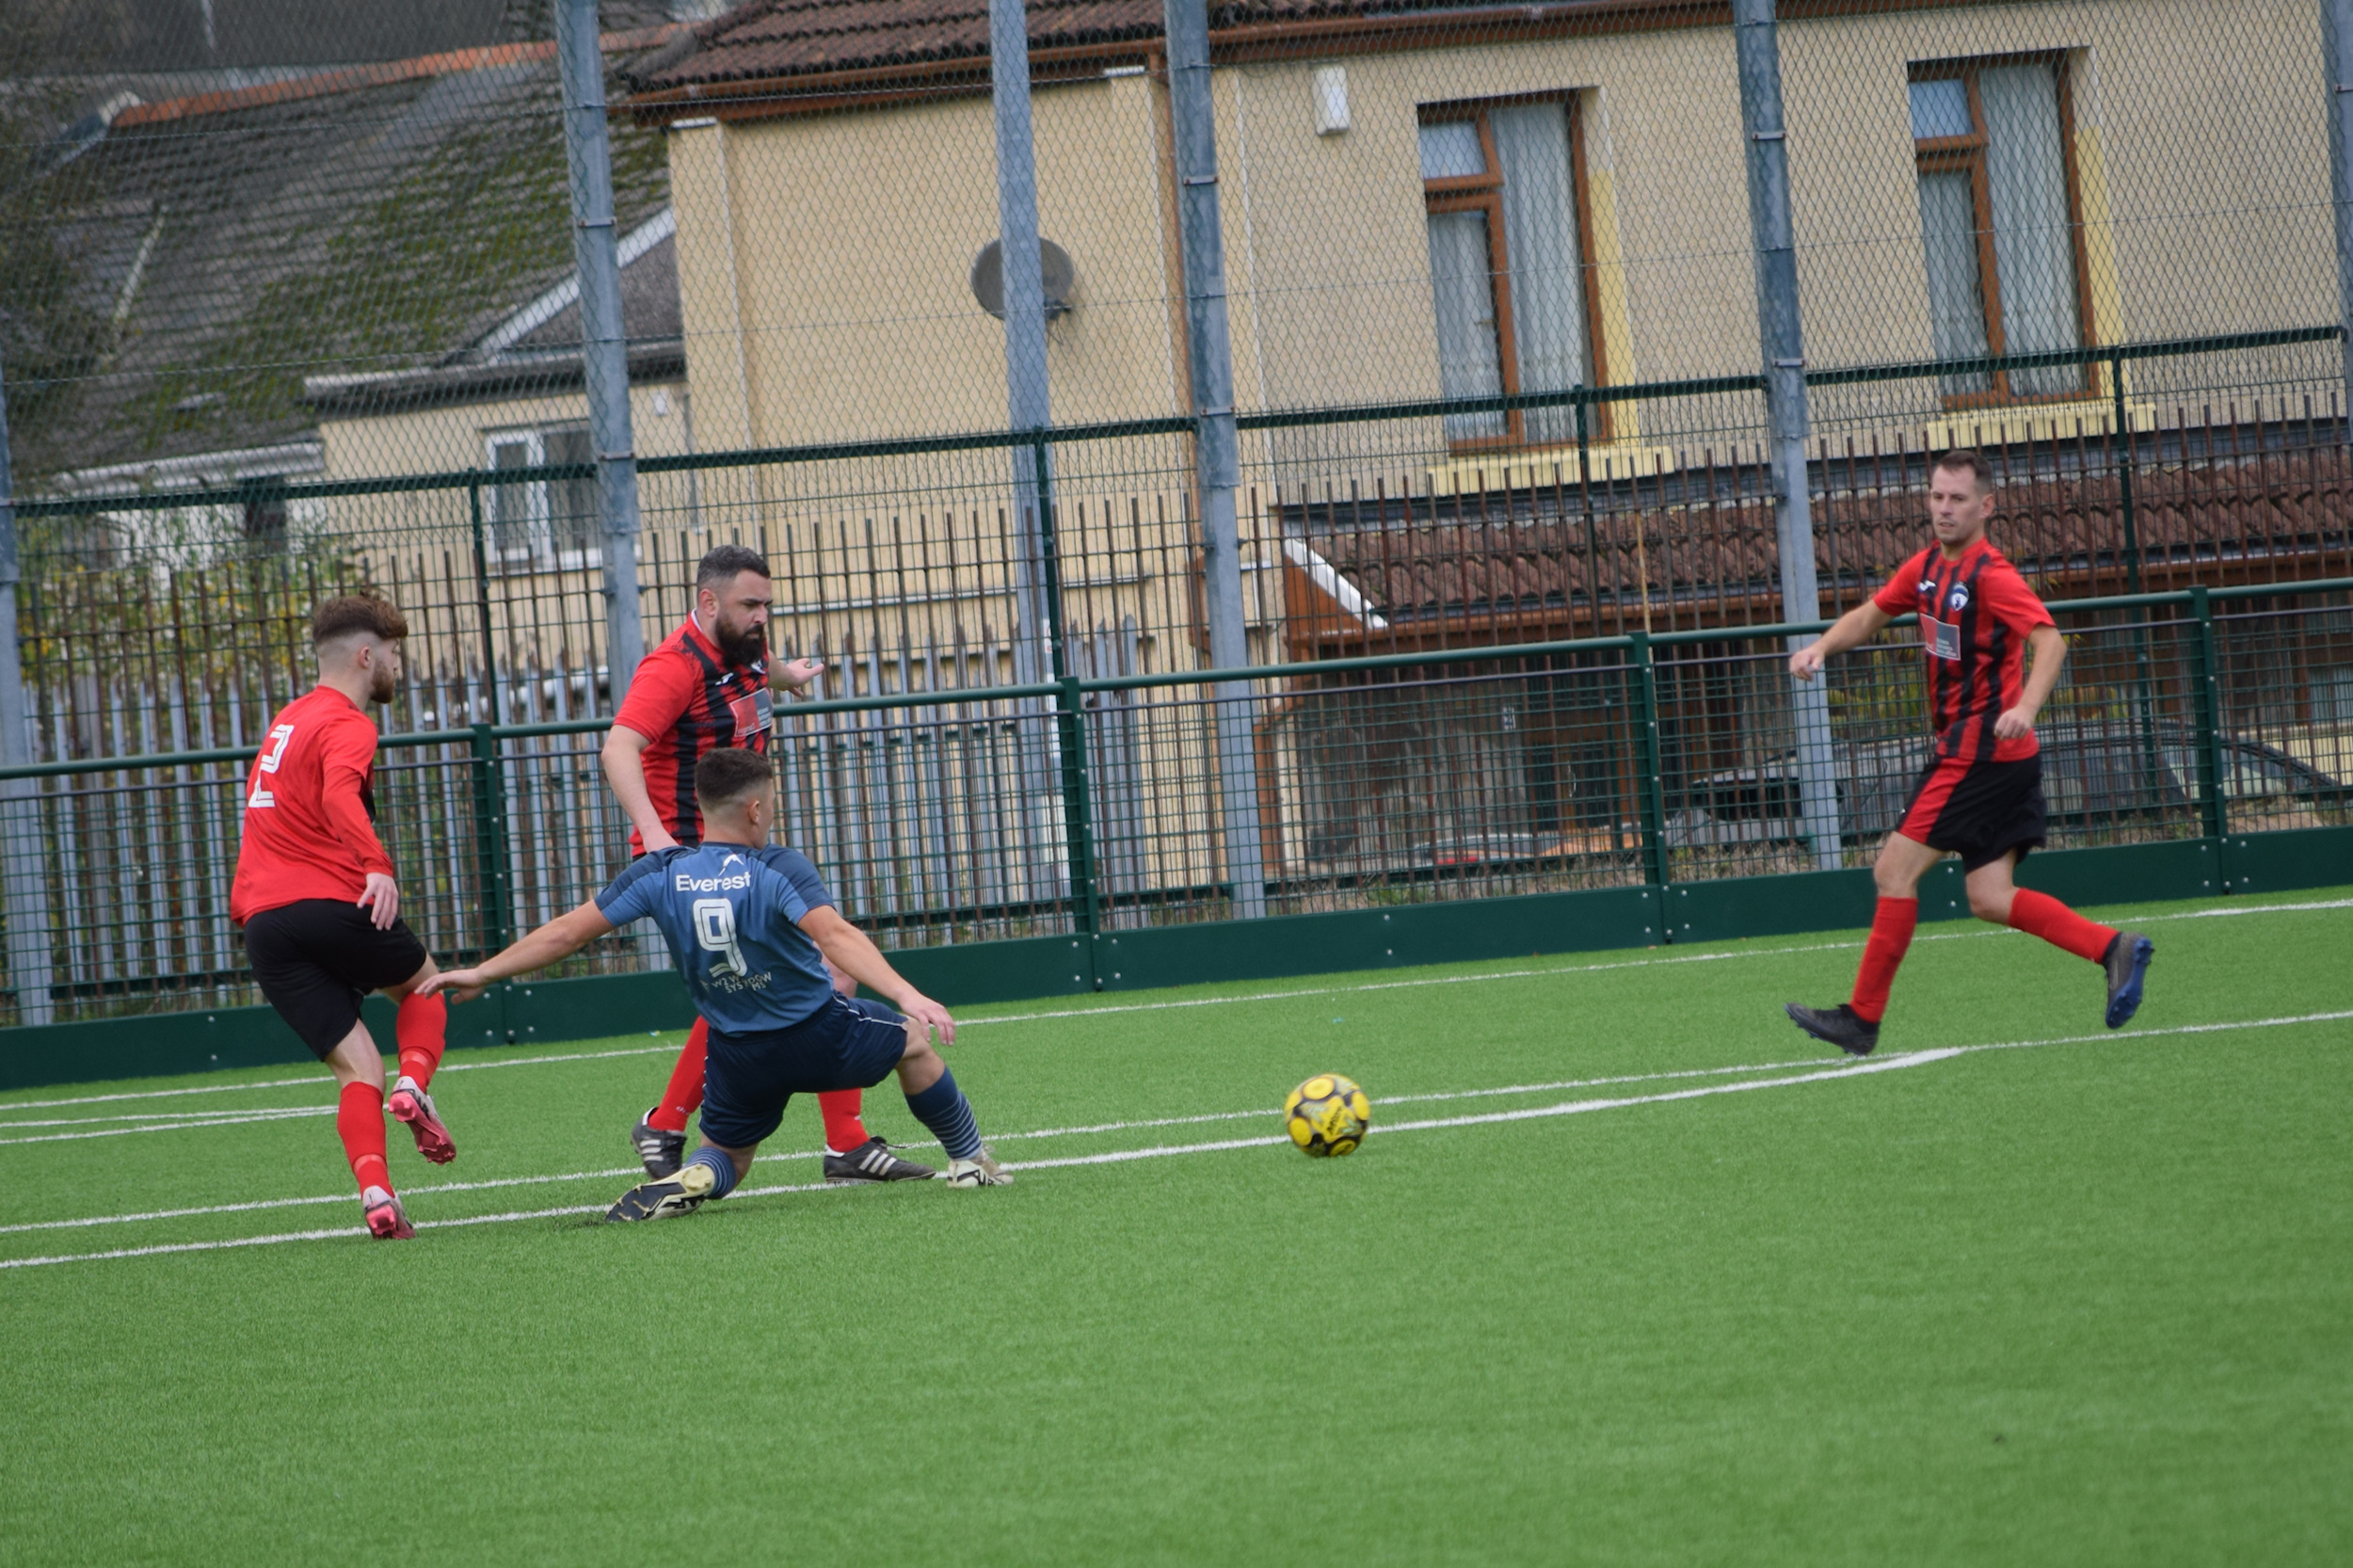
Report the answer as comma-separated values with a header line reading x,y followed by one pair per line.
x,y
359,1122
1994,895
422,1025
1853,1026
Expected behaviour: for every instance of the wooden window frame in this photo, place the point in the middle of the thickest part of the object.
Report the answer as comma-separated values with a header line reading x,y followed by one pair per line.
x,y
1484,193
1966,156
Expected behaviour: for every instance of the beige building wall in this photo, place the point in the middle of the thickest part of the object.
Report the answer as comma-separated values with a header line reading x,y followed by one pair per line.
x,y
456,436
1326,254
853,238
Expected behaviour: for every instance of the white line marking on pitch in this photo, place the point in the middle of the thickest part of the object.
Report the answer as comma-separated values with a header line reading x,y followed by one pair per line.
x,y
7,1106
1571,1107
994,1138
1910,1059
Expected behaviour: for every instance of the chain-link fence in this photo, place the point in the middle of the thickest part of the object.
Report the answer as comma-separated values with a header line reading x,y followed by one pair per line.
x,y
291,302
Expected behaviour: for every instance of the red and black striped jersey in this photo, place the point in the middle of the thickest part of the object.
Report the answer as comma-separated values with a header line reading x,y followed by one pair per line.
x,y
1975,615
686,700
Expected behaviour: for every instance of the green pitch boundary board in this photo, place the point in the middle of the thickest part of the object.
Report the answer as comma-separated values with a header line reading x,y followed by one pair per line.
x,y
602,1007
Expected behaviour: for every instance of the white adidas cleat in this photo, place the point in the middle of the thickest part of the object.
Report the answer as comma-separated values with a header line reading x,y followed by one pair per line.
x,y
983,1171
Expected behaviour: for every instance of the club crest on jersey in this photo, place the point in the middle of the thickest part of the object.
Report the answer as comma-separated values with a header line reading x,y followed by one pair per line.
x,y
1957,600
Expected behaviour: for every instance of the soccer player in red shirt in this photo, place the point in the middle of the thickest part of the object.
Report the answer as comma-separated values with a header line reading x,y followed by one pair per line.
x,y
321,912
708,686
1980,797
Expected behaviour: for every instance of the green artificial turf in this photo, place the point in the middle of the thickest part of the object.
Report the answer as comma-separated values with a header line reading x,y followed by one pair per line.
x,y
2086,1303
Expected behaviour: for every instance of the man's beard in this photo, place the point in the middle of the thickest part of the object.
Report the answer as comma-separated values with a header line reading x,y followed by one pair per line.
x,y
383,683
744,645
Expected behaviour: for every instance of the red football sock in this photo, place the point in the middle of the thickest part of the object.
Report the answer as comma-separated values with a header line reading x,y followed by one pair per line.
x,y
1891,936
844,1132
422,1026
684,1094
2041,914
359,1122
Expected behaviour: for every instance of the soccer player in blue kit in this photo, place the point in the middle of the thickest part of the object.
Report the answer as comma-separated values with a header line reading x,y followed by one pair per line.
x,y
746,923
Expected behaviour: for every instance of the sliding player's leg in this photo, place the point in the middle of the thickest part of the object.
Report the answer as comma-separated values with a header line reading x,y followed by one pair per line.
x,y
421,1026
746,1083
1853,1026
851,1154
939,1105
1994,895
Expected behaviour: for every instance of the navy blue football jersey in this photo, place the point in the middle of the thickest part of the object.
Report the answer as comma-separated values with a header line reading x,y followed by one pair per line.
x,y
731,915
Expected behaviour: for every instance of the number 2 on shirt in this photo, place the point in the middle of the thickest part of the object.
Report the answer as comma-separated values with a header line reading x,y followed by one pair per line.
x,y
270,758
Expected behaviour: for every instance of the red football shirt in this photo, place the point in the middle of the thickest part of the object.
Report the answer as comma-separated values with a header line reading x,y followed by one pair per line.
x,y
687,699
1975,613
309,808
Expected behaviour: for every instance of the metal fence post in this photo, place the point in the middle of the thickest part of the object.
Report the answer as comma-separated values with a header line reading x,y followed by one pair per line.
x,y
1037,651
24,881
482,600
490,838
603,342
1070,723
1782,339
2213,809
1652,798
2127,456
1217,451
2336,34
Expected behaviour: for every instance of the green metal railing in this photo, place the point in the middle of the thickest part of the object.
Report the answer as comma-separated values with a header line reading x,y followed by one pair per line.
x,y
480,812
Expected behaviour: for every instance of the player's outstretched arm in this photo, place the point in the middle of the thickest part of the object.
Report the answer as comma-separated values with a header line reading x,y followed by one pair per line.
x,y
1853,630
852,952
792,675
559,938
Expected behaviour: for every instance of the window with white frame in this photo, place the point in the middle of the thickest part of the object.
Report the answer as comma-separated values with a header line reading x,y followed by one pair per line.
x,y
541,522
1510,270
2001,222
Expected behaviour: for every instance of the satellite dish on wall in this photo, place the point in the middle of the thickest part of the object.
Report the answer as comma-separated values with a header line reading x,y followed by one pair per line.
x,y
988,277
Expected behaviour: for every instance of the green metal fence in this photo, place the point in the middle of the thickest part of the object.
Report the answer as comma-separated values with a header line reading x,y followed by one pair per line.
x,y
1086,806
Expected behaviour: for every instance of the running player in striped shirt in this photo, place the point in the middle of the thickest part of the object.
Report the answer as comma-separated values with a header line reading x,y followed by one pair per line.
x,y
1980,797
708,686
321,912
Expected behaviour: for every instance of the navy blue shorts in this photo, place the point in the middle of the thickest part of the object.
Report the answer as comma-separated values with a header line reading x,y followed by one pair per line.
x,y
849,1043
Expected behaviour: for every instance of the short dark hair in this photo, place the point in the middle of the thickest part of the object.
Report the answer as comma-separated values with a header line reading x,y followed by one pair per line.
x,y
724,560
727,775
1968,458
341,617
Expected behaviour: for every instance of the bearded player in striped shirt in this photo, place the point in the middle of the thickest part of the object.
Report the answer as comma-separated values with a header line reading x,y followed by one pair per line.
x,y
710,685
1980,797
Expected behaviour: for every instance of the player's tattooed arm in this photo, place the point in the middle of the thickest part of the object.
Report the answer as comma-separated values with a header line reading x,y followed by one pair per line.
x,y
559,938
1853,630
853,954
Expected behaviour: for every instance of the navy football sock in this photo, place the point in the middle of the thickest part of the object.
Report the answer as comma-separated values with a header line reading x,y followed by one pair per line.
x,y
948,1114
722,1169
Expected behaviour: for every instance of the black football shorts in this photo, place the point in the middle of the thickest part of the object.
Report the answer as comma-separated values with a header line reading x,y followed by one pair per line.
x,y
1979,810
316,959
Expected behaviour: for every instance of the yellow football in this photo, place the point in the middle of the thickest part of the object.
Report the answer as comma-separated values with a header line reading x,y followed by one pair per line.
x,y
1327,1115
